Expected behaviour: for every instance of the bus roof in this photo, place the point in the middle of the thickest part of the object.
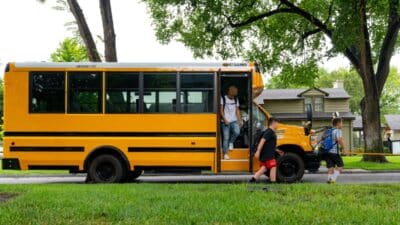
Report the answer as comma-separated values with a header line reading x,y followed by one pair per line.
x,y
175,65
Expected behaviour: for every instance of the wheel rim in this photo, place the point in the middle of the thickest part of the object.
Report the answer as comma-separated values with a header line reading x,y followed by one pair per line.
x,y
289,168
106,171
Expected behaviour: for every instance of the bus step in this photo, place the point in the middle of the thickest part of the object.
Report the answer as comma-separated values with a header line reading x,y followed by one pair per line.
x,y
235,165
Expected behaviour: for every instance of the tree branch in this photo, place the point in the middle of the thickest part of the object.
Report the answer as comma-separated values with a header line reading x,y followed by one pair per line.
x,y
110,49
84,30
258,17
388,45
309,33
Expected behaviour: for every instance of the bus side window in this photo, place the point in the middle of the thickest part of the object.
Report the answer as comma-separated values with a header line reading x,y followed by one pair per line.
x,y
197,92
85,92
47,92
122,92
159,91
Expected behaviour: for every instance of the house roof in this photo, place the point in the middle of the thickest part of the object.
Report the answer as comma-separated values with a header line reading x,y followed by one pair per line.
x,y
288,94
393,121
316,116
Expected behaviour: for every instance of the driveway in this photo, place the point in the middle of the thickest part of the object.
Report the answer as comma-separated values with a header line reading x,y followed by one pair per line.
x,y
350,178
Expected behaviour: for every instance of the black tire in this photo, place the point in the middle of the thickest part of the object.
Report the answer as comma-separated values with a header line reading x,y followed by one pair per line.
x,y
290,168
133,175
106,169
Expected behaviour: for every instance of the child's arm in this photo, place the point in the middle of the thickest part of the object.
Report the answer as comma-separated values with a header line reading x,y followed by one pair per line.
x,y
340,141
280,152
259,148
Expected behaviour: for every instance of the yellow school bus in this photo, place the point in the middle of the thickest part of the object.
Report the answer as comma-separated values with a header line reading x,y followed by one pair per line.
x,y
116,120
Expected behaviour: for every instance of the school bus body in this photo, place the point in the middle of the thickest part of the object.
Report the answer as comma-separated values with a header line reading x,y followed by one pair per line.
x,y
139,140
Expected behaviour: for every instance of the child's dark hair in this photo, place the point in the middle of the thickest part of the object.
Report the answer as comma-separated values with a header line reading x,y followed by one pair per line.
x,y
271,120
336,121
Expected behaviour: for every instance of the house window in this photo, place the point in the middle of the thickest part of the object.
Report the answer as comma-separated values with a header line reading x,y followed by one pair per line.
x,y
317,103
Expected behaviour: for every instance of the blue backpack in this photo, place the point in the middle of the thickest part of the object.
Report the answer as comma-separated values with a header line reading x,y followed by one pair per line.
x,y
327,141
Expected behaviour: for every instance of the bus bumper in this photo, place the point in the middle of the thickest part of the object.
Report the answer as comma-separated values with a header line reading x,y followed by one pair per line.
x,y
10,164
312,162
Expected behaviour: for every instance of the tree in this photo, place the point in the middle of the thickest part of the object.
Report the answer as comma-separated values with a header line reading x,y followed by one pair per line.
x,y
70,50
284,34
84,30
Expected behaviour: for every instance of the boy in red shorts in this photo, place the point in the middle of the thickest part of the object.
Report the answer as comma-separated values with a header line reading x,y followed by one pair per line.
x,y
266,152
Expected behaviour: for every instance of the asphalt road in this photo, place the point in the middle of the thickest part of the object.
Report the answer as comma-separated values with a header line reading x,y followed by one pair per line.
x,y
351,178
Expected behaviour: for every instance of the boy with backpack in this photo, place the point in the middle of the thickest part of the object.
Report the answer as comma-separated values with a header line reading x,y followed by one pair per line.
x,y
332,140
265,153
231,120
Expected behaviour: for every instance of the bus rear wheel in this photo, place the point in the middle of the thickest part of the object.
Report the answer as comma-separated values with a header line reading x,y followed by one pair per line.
x,y
106,169
290,168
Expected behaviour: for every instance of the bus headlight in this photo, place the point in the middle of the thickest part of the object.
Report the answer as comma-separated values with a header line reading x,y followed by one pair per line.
x,y
314,140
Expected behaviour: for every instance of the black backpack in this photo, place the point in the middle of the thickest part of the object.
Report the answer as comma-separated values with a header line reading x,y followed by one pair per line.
x,y
224,101
257,137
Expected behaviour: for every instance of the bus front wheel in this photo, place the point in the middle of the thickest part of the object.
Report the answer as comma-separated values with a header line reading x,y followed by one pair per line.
x,y
290,168
106,169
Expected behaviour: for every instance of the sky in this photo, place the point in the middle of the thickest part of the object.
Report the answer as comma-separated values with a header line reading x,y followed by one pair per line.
x,y
31,31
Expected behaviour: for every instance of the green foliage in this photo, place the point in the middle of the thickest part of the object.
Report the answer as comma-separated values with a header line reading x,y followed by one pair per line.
x,y
283,42
70,50
200,204
390,99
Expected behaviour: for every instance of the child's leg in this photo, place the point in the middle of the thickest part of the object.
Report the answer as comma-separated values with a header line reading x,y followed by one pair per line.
x,y
260,172
330,173
337,172
272,174
339,166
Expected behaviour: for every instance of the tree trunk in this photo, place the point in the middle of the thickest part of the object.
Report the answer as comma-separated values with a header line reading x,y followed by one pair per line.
x,y
372,127
84,30
370,110
108,29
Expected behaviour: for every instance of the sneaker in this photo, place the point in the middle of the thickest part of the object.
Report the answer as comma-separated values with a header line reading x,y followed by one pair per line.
x,y
231,146
226,157
253,180
270,182
265,189
331,181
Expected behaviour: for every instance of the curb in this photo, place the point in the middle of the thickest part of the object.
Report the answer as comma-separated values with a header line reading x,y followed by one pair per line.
x,y
357,171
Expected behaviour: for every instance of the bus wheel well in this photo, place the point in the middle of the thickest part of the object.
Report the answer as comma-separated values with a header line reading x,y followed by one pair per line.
x,y
106,150
293,149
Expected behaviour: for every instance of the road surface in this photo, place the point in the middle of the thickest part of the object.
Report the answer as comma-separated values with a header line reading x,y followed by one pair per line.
x,y
353,178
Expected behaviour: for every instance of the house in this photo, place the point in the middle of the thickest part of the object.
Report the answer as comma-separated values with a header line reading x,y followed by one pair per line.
x,y
358,135
393,126
289,106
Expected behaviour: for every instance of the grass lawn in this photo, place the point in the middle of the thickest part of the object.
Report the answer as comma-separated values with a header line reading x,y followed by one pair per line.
x,y
200,204
354,162
31,172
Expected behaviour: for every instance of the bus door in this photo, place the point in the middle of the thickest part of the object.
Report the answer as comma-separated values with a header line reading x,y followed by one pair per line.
x,y
239,156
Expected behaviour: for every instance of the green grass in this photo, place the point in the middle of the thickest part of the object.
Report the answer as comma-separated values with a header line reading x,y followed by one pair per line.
x,y
30,172
200,204
354,162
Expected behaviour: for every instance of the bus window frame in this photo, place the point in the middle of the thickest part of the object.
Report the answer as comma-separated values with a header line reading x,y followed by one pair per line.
x,y
100,97
30,92
106,88
212,89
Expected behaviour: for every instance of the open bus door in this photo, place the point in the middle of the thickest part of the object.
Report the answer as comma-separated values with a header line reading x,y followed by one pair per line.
x,y
240,157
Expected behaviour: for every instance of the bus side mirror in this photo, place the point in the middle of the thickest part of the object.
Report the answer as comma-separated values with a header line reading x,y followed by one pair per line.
x,y
308,124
